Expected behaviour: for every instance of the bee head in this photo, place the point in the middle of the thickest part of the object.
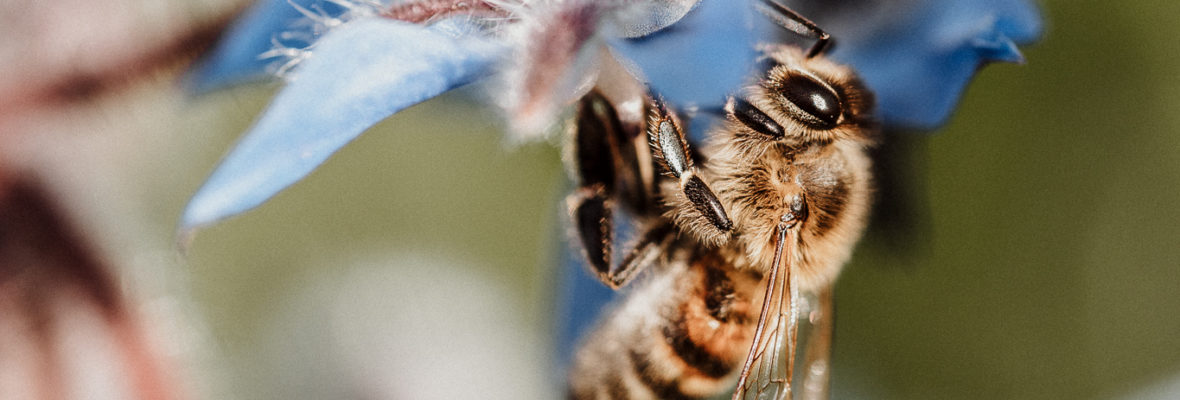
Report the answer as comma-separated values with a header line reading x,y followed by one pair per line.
x,y
813,98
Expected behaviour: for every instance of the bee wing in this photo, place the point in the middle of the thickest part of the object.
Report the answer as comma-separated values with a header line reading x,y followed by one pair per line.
x,y
770,364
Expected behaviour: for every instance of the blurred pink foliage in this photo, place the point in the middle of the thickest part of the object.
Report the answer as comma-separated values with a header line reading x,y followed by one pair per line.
x,y
68,329
62,51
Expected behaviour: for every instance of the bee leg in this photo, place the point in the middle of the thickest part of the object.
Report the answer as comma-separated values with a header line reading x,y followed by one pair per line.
x,y
603,150
592,218
650,245
817,367
670,148
605,165
792,21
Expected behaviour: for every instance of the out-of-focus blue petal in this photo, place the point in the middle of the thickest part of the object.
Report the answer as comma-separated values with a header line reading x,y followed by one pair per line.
x,y
358,75
919,62
581,300
235,58
642,18
701,58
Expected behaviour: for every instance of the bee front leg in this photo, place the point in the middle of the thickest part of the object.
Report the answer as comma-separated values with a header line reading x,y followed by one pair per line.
x,y
670,148
792,21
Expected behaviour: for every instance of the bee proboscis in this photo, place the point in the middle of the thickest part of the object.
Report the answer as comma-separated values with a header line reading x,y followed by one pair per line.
x,y
732,236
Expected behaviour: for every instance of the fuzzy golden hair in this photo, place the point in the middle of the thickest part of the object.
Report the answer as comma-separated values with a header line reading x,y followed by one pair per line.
x,y
756,176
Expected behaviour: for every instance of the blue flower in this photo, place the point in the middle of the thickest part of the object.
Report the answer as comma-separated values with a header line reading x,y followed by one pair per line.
x,y
353,68
355,62
945,42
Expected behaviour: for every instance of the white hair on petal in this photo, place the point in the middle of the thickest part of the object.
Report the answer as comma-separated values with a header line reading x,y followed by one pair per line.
x,y
288,57
292,47
557,44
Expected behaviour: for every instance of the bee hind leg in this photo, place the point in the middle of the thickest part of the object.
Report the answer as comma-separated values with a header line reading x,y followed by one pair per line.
x,y
606,167
592,210
592,219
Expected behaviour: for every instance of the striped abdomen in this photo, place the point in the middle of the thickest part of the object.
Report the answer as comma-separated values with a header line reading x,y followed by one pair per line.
x,y
681,334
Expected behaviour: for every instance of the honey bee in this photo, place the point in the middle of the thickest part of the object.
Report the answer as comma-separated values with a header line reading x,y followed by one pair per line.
x,y
732,237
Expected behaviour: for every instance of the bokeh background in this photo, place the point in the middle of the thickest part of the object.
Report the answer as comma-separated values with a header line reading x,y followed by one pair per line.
x,y
1039,257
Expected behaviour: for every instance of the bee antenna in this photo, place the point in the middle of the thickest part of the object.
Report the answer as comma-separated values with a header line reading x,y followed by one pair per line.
x,y
792,21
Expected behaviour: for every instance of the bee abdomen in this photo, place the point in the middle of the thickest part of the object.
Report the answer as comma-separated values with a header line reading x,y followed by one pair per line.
x,y
688,345
698,357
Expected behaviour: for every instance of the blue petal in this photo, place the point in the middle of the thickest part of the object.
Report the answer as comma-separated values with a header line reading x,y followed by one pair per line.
x,y
919,63
581,301
358,75
642,18
582,298
700,59
235,59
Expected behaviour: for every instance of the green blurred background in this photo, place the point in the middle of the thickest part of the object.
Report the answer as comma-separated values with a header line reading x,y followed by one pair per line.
x,y
1052,269
1044,263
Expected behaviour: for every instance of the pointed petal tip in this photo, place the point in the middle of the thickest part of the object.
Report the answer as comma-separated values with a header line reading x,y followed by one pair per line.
x,y
998,49
362,73
191,222
201,212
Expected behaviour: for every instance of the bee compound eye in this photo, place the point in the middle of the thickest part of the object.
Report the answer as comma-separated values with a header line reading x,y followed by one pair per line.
x,y
817,105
